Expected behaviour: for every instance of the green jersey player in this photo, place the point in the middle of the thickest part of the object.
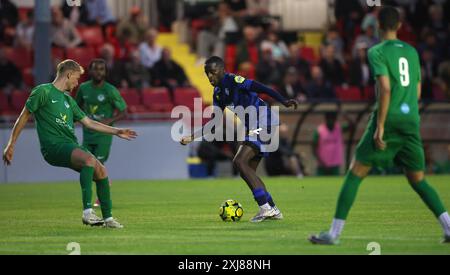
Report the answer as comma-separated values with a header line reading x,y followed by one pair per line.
x,y
393,133
55,112
102,102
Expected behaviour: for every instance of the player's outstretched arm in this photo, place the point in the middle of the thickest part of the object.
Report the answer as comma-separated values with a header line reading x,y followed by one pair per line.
x,y
21,121
127,134
383,107
263,89
197,134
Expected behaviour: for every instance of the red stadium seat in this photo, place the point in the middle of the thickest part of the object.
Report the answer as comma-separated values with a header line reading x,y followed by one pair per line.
x,y
28,77
18,99
133,100
157,99
4,105
369,93
185,96
58,53
348,94
82,55
230,57
21,57
92,36
308,54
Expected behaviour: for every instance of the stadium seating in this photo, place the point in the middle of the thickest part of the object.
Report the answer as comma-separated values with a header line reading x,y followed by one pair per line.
x,y
185,96
133,100
82,55
18,99
58,53
28,77
369,93
308,54
230,57
92,36
21,57
157,99
348,94
3,102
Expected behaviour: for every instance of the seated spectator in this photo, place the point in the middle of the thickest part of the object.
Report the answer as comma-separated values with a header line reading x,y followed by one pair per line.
x,y
359,72
122,45
331,67
11,76
277,47
25,32
115,73
214,37
247,50
99,13
148,50
63,32
9,16
437,24
301,65
268,70
136,75
332,37
370,20
169,73
75,14
429,68
284,161
137,25
368,37
318,87
291,88
328,146
406,32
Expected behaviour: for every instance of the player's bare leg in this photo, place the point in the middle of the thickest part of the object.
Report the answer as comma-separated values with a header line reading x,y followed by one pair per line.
x,y
85,163
243,163
430,197
353,179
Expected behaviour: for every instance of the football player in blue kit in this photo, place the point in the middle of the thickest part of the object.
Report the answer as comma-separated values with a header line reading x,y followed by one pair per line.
x,y
235,91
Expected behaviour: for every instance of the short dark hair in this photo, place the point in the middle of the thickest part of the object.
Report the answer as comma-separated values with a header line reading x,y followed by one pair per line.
x,y
97,60
215,60
389,18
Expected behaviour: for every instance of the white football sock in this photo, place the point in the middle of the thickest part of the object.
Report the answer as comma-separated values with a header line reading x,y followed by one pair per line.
x,y
336,228
444,219
108,219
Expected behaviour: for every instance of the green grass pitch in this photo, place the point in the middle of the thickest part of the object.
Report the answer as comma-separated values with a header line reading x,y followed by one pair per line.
x,y
181,217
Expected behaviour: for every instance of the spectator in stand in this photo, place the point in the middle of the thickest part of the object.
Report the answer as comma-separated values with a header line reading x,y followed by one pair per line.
x,y
318,87
9,16
75,14
429,68
348,14
115,73
437,24
331,67
149,51
292,88
25,32
99,13
368,37
247,50
269,70
136,75
370,20
214,38
284,161
406,32
11,77
122,45
430,42
301,65
169,73
278,48
332,37
137,25
359,71
63,32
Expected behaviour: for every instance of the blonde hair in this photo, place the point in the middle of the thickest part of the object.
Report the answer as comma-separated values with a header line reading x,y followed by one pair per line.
x,y
68,65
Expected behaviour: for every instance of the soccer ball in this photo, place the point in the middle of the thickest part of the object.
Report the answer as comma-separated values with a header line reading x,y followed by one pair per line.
x,y
231,210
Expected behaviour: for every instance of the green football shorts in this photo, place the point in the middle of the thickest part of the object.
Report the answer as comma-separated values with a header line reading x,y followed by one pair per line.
x,y
60,155
404,150
100,150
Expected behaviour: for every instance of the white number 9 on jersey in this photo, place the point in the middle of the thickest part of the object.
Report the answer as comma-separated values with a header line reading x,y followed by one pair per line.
x,y
404,71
